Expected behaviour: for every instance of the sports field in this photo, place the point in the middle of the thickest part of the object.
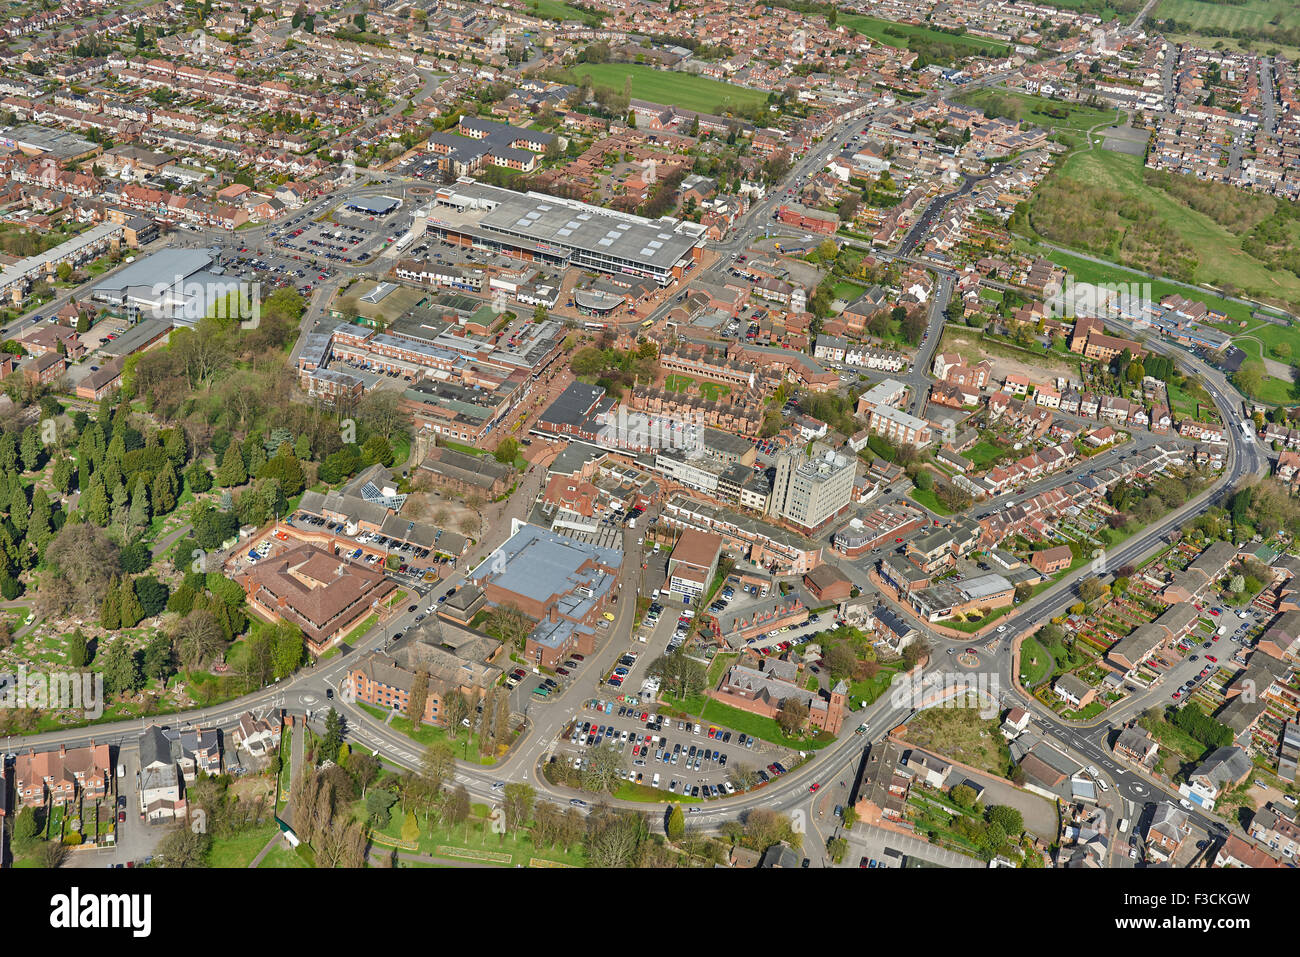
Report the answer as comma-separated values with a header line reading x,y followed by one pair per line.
x,y
886,32
670,89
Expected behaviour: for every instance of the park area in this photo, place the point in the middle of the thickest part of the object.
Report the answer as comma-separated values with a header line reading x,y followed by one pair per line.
x,y
906,36
1037,110
1148,225
671,89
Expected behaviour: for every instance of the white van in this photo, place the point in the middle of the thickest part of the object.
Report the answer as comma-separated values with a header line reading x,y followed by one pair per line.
x,y
1122,826
655,782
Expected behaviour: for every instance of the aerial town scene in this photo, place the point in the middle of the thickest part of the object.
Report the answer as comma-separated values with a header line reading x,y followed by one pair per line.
x,y
650,433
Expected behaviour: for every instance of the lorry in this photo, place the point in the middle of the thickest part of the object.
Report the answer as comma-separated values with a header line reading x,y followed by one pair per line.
x,y
631,523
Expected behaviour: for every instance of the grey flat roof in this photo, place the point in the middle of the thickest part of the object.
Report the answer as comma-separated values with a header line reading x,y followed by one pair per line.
x,y
374,204
568,224
166,265
25,267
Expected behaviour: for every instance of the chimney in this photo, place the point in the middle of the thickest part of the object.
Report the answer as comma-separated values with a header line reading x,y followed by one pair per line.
x,y
63,750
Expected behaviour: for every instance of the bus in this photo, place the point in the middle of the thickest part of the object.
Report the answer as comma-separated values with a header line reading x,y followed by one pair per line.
x,y
648,322
1248,431
594,325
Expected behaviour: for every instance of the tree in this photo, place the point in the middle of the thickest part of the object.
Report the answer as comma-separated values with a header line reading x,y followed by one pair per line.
x,y
232,471
26,827
437,765
159,660
129,607
455,709
121,669
792,715
963,795
518,804
199,638
333,739
601,773
455,809
288,649
508,623
1090,589
1007,818
378,806
419,698
506,451
110,609
676,826
183,848
78,652
81,559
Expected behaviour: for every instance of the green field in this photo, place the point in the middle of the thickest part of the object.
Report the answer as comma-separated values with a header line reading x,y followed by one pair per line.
x,y
1084,270
1222,259
670,89
886,32
554,10
1214,22
1034,109
930,500
1035,663
239,851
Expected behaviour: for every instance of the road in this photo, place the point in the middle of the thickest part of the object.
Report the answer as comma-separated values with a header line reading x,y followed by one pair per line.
x,y
307,692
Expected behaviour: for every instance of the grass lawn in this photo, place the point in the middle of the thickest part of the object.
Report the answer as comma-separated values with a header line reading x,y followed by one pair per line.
x,y
765,729
239,851
713,391
970,627
631,791
1035,662
886,32
1034,109
1221,258
284,856
668,88
1276,392
984,453
554,10
872,688
427,734
1095,708
848,291
678,383
475,841
718,665
930,501
1084,270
